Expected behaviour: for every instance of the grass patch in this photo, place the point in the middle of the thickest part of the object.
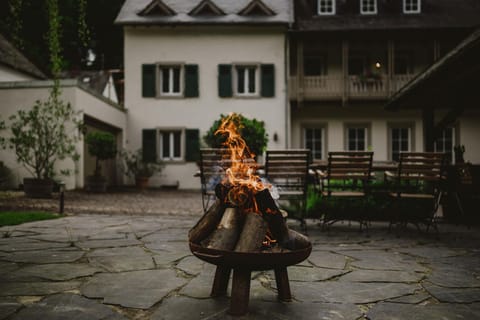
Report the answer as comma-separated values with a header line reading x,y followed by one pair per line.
x,y
10,218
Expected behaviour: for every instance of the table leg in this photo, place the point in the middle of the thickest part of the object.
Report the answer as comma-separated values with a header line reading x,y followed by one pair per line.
x,y
220,282
283,286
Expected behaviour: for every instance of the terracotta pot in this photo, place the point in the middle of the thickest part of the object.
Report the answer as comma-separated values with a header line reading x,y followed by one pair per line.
x,y
38,188
141,182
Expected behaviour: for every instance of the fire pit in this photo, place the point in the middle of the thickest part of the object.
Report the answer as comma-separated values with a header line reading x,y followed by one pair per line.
x,y
244,230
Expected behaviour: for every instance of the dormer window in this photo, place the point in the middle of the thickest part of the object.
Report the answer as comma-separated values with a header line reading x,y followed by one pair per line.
x,y
368,6
411,6
326,7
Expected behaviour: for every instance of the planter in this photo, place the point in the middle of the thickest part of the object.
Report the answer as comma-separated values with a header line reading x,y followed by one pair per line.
x,y
38,188
96,184
141,182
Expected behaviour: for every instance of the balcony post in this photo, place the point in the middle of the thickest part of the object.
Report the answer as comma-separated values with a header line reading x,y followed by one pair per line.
x,y
390,66
346,80
300,73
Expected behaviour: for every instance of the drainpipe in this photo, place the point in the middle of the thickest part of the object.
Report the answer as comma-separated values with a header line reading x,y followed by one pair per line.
x,y
288,117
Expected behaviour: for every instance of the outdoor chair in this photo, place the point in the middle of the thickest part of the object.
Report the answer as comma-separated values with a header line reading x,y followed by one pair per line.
x,y
213,164
416,188
287,170
344,186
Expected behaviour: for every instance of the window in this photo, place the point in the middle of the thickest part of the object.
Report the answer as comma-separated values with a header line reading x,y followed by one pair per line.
x,y
368,6
403,63
171,144
169,80
314,139
400,137
356,138
326,7
314,64
246,80
446,142
411,6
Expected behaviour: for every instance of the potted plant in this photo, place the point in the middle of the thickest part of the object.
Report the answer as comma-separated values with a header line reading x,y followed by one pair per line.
x,y
39,137
139,169
102,146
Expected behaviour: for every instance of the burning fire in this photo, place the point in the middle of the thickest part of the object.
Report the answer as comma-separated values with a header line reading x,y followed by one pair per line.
x,y
241,176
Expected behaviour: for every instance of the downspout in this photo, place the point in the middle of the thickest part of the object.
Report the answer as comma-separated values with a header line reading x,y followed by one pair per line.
x,y
288,124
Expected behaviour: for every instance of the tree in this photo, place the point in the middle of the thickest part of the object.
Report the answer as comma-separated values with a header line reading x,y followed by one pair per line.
x,y
102,146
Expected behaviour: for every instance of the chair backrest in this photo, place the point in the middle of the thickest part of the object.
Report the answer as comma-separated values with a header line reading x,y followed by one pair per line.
x,y
420,167
350,165
288,171
213,164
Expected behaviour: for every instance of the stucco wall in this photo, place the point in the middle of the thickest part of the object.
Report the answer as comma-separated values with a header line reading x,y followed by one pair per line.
x,y
206,47
9,74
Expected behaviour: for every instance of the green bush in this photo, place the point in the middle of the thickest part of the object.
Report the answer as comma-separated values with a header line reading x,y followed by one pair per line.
x,y
102,146
251,130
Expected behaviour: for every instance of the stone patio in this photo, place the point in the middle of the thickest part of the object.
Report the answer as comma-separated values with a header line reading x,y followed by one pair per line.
x,y
125,255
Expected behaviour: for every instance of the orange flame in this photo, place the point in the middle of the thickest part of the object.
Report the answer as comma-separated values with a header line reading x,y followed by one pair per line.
x,y
242,172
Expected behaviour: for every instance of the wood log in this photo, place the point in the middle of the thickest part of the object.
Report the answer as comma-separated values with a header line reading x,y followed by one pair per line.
x,y
226,235
207,223
253,233
272,214
296,240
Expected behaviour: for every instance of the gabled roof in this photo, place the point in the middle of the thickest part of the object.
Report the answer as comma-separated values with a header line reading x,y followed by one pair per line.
x,y
13,58
157,8
208,12
206,8
256,8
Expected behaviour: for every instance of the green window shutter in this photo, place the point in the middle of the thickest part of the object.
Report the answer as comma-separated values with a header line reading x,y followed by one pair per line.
x,y
149,145
192,137
268,80
148,80
225,80
191,80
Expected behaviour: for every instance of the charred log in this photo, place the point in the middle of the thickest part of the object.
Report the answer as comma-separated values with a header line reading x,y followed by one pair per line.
x,y
273,216
226,235
253,233
207,223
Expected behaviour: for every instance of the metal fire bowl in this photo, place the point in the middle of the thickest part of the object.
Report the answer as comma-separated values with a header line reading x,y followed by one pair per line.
x,y
250,260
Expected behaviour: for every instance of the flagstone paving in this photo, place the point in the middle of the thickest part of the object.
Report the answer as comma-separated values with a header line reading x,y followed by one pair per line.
x,y
118,262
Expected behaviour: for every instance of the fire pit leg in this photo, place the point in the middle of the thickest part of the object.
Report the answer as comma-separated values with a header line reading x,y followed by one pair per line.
x,y
220,283
281,277
240,292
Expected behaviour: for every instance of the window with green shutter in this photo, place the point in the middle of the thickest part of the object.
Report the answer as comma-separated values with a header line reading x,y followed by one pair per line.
x,y
191,80
225,80
268,80
149,145
192,150
148,80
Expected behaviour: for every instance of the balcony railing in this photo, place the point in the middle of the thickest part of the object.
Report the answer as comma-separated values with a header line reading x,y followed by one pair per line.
x,y
357,87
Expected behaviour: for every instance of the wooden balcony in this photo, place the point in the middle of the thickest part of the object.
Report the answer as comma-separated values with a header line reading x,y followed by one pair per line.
x,y
356,87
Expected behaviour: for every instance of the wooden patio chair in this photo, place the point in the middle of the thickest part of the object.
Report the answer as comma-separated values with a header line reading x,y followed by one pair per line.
x,y
288,171
417,188
345,182
212,170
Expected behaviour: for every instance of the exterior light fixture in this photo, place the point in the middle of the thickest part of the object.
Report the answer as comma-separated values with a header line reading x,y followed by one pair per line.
x,y
378,65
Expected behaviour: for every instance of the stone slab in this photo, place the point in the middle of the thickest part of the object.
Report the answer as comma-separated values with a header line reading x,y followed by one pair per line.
x,y
8,306
46,256
36,288
55,272
67,306
360,275
453,295
136,289
121,259
326,259
395,311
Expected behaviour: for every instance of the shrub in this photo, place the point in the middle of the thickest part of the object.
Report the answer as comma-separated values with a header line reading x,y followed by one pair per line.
x,y
102,146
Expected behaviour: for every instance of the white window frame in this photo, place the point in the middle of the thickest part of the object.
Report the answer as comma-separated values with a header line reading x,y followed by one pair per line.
x,y
410,138
171,156
442,141
328,4
411,3
323,140
366,129
161,67
365,7
246,79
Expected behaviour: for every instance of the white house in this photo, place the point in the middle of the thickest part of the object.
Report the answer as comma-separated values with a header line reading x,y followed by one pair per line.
x,y
21,84
187,62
